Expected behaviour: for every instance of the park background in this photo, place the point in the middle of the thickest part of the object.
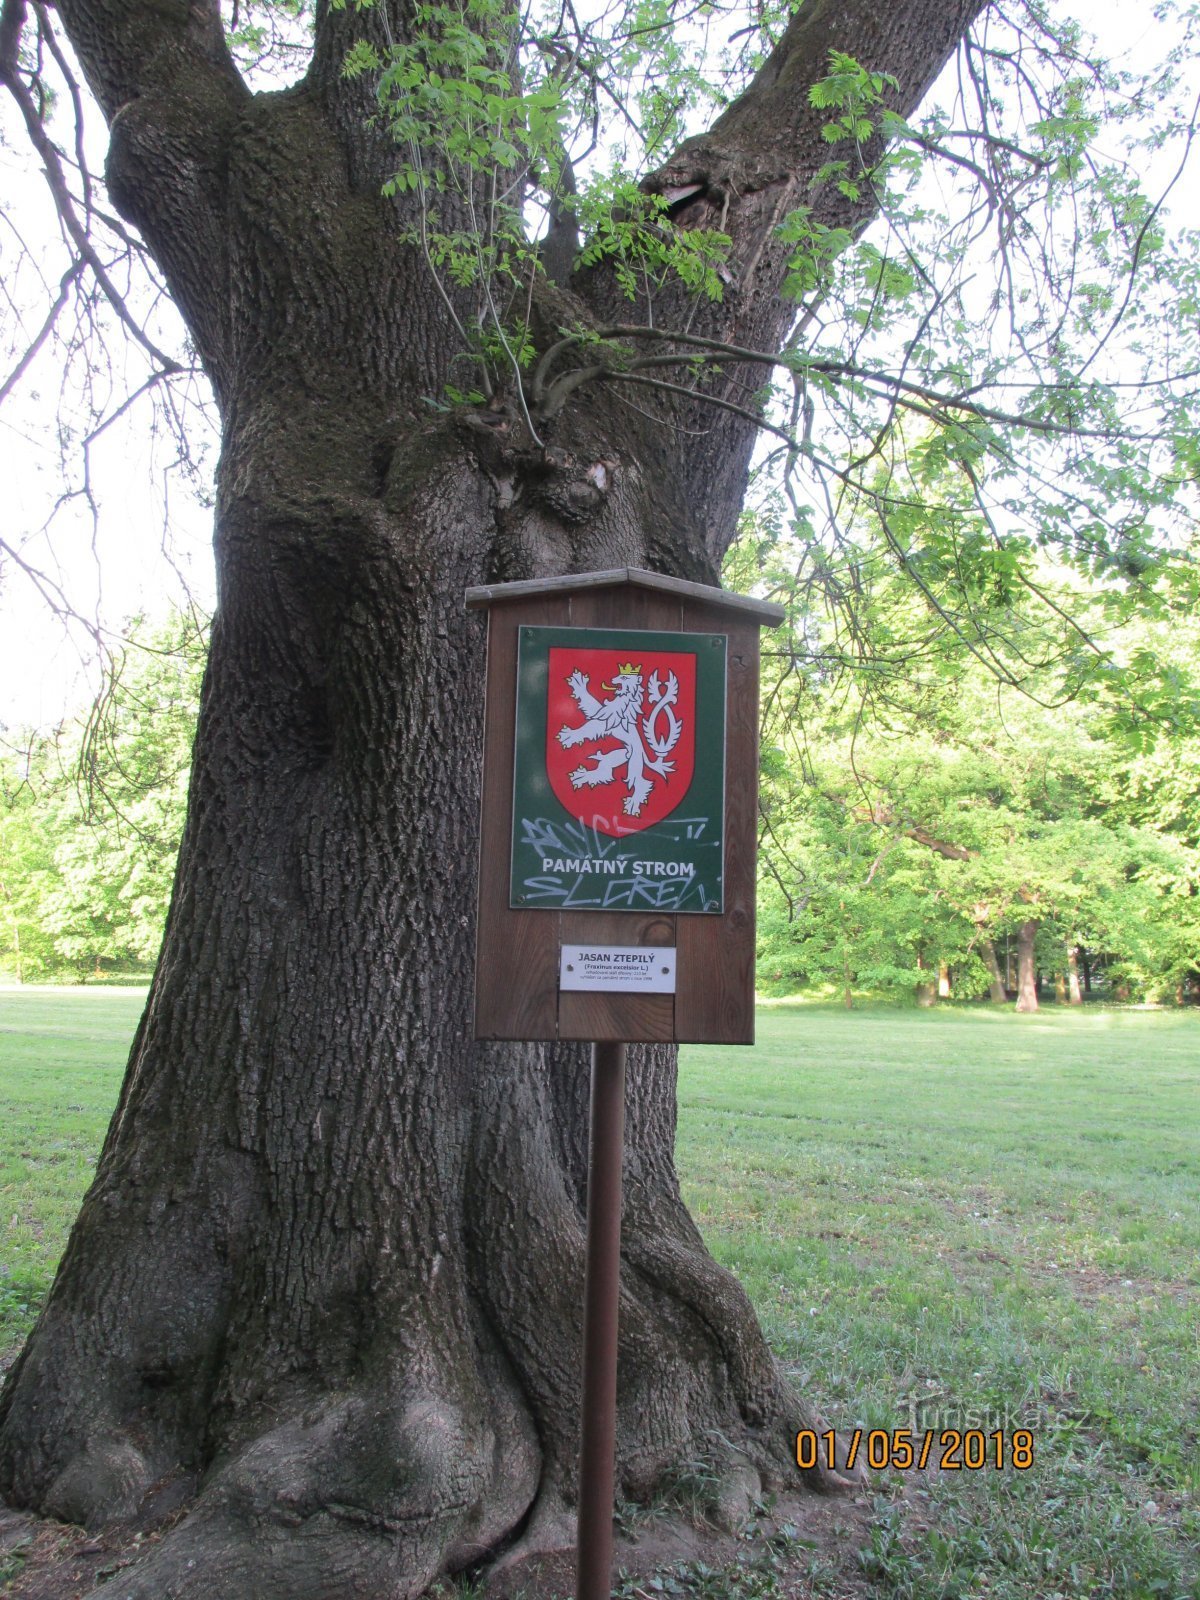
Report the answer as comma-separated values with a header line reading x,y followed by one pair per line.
x,y
926,830
948,1214
942,1209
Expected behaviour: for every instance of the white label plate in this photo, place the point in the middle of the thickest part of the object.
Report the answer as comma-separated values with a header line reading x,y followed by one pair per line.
x,y
618,969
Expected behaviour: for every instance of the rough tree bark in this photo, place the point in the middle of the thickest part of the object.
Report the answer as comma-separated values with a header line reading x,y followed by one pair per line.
x,y
326,1285
1027,993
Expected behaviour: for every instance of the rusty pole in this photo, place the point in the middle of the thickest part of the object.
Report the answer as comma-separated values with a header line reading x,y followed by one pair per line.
x,y
600,1296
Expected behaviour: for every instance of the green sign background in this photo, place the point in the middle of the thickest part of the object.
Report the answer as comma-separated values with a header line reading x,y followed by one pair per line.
x,y
676,864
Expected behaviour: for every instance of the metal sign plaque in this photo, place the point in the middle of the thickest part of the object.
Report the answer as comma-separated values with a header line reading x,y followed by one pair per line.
x,y
624,969
619,771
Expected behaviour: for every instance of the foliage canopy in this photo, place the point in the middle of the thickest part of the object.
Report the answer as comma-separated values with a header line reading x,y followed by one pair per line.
x,y
989,395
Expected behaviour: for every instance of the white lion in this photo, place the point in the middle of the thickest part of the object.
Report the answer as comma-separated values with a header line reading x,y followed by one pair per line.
x,y
621,718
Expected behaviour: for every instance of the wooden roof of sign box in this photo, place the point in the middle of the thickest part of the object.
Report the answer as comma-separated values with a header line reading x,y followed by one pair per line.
x,y
765,612
700,917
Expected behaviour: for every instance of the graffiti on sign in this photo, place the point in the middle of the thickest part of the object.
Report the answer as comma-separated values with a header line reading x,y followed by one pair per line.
x,y
618,783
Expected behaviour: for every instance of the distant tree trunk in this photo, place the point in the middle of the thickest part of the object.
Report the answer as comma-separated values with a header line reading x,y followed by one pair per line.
x,y
17,956
926,992
847,990
1060,988
1027,998
1086,964
1076,996
944,992
996,990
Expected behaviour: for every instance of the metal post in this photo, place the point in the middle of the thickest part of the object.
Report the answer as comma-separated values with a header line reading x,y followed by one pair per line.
x,y
600,1296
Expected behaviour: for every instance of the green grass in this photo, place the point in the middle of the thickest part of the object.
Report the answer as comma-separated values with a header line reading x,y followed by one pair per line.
x,y
939,1215
968,1216
62,1053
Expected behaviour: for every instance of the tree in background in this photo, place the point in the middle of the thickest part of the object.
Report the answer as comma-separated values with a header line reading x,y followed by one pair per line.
x,y
91,815
326,1286
902,845
26,861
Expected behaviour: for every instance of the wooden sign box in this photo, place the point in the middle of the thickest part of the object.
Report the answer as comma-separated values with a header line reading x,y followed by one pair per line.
x,y
694,896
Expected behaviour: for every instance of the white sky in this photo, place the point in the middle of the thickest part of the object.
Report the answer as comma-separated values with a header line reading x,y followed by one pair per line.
x,y
117,566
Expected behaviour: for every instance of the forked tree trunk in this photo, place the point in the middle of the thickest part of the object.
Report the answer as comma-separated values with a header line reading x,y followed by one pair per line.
x,y
1027,995
328,1278
996,990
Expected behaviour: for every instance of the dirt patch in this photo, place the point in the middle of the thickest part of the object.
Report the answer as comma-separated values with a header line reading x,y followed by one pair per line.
x,y
1090,1284
44,1560
807,1547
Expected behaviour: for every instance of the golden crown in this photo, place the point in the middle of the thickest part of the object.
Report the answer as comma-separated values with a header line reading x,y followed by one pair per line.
x,y
628,667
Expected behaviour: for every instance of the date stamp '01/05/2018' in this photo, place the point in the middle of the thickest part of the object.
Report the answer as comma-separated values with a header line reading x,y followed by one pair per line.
x,y
900,1450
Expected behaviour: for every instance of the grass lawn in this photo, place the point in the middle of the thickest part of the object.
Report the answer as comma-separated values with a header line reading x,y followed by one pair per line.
x,y
966,1219
62,1054
946,1219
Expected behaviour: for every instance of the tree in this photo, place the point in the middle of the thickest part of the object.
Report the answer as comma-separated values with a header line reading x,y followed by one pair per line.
x,y
26,859
326,1285
91,815
903,839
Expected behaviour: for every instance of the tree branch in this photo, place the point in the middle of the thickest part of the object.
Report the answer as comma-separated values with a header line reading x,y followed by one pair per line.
x,y
170,92
761,157
65,206
69,278
701,398
134,49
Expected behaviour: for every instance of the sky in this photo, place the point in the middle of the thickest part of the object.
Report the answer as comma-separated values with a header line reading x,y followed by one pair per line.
x,y
146,548
128,556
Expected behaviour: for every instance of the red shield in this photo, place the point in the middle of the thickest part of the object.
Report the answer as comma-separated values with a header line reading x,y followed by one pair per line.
x,y
620,735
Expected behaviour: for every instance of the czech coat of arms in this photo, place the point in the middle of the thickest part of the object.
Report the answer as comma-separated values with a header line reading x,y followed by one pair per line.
x,y
620,736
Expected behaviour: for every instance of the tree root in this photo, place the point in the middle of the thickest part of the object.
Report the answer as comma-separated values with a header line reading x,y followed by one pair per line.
x,y
552,1528
358,1497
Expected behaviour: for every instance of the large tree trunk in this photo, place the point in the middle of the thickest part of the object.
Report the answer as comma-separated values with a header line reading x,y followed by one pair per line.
x,y
331,1266
1027,994
328,1279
